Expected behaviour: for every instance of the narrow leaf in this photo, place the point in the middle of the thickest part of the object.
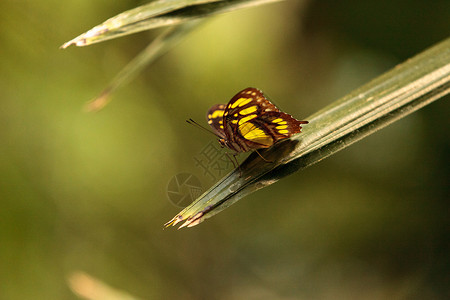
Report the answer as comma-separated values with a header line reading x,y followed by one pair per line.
x,y
388,98
157,14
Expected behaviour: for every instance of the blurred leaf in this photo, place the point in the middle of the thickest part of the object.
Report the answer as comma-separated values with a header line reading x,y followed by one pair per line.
x,y
155,49
91,288
406,88
157,14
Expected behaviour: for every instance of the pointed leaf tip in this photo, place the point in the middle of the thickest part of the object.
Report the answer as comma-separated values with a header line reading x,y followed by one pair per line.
x,y
175,220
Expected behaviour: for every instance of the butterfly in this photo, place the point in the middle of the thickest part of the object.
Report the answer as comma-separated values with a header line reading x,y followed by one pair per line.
x,y
251,122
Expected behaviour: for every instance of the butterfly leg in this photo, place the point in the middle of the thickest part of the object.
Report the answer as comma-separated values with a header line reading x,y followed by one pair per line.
x,y
267,161
235,162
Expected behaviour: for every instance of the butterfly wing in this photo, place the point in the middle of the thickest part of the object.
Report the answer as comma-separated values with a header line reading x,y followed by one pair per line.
x,y
281,125
251,121
215,119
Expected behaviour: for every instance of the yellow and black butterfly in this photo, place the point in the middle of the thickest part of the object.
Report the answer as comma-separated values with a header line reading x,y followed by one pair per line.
x,y
251,122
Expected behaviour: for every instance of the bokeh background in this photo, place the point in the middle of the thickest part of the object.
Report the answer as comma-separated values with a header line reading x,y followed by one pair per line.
x,y
87,192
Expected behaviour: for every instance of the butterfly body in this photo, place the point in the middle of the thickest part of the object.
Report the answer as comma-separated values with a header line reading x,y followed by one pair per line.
x,y
250,122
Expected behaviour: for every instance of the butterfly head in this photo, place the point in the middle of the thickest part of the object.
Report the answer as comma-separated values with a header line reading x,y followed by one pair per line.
x,y
222,142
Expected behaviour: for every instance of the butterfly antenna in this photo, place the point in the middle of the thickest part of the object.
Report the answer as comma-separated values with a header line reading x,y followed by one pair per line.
x,y
192,122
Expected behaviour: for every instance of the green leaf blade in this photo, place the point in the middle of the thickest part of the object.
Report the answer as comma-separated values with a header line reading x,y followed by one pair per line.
x,y
390,97
158,14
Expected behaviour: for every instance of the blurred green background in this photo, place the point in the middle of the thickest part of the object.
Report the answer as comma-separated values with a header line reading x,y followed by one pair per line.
x,y
88,192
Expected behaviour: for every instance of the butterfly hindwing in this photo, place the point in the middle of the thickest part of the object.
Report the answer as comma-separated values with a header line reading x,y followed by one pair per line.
x,y
281,125
215,119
